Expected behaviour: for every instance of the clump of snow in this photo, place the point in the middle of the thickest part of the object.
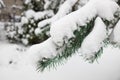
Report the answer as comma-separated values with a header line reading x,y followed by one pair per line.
x,y
115,35
38,15
93,42
29,13
45,49
25,41
42,15
62,30
20,31
68,24
85,14
11,34
37,31
106,11
44,23
24,20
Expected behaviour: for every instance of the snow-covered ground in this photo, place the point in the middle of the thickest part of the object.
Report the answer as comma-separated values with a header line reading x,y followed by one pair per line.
x,y
108,67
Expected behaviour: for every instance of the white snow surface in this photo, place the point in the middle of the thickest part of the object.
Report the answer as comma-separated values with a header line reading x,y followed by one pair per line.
x,y
17,69
108,67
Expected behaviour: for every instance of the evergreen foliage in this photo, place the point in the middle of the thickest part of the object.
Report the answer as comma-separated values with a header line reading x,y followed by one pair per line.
x,y
25,32
73,45
69,49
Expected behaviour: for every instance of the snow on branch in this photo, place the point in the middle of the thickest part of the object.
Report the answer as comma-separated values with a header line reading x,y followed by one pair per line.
x,y
94,41
69,32
64,9
65,26
30,14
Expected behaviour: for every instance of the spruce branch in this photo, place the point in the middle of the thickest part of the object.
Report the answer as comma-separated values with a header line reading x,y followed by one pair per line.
x,y
69,49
